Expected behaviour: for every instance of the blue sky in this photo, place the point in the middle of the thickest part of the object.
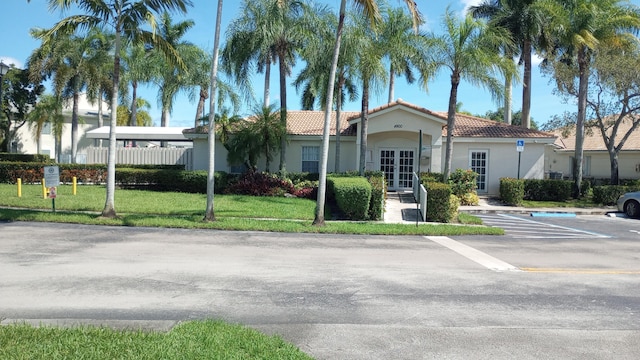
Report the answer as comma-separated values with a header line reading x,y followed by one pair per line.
x,y
18,16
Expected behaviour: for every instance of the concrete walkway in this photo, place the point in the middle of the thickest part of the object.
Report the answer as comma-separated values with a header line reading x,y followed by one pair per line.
x,y
400,207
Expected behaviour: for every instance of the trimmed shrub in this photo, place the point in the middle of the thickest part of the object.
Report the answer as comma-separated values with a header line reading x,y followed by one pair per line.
x,y
463,182
260,184
469,199
454,204
431,177
352,195
38,158
547,190
609,194
378,195
439,202
512,191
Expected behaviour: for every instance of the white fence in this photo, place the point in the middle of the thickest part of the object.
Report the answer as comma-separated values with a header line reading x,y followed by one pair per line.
x,y
420,194
143,156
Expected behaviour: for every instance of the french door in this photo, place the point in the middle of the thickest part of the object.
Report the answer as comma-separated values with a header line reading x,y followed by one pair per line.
x,y
398,166
478,163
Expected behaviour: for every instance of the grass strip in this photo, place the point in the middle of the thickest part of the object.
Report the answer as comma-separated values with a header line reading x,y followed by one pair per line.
x,y
248,224
206,339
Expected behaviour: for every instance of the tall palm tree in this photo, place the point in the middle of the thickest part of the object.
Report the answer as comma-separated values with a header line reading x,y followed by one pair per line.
x,y
313,77
526,23
209,214
579,29
171,78
369,8
125,17
48,110
399,42
75,64
371,72
137,69
467,49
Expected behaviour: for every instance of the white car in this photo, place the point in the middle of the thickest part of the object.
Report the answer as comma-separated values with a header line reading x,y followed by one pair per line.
x,y
629,203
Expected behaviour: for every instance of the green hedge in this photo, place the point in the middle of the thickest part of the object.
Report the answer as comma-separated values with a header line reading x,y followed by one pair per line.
x,y
378,195
440,206
352,195
13,157
609,194
547,190
32,172
172,180
512,191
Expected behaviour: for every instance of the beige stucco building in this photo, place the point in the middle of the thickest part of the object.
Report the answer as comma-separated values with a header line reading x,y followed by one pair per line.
x,y
394,145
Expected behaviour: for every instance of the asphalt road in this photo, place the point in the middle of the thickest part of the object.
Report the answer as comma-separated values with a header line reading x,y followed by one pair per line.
x,y
342,297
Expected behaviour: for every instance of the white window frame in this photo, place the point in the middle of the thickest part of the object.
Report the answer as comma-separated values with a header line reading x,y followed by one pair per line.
x,y
310,156
482,178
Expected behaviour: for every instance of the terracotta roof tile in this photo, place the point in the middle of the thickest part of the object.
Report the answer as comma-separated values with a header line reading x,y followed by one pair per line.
x,y
312,123
593,138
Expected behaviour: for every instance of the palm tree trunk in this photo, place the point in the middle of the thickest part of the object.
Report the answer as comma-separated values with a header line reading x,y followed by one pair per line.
x,y
283,111
526,88
74,128
322,180
209,213
364,127
392,84
200,109
267,82
451,122
164,122
583,87
133,120
98,142
109,210
338,124
508,89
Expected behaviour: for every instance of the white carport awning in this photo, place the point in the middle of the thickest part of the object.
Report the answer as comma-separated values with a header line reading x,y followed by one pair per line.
x,y
140,133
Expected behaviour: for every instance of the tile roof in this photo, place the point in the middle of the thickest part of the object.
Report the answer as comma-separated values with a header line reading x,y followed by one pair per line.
x,y
593,138
471,126
300,122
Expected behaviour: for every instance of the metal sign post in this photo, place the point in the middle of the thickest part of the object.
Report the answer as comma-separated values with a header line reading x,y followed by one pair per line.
x,y
519,149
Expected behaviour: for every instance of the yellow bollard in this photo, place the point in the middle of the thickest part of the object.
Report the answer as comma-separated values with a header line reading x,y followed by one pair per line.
x,y
44,189
74,187
19,187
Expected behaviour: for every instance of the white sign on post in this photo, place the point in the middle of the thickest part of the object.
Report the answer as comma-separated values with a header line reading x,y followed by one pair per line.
x,y
52,176
519,145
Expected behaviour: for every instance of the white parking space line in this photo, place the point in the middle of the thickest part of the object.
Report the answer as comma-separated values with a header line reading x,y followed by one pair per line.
x,y
535,229
475,255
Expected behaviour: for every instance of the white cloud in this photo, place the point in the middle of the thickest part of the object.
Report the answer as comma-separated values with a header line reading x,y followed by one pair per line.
x,y
469,3
11,61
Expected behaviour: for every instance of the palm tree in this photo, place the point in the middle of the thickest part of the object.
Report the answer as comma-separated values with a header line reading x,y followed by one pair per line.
x,y
468,49
313,78
400,43
125,18
526,24
75,64
369,9
48,110
209,214
580,27
371,71
170,78
137,69
276,33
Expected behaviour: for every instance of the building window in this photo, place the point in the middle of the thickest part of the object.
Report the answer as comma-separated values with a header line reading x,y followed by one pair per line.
x,y
310,159
46,129
238,169
586,165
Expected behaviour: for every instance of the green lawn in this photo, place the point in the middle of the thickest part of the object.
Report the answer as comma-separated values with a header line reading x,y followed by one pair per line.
x,y
180,210
190,340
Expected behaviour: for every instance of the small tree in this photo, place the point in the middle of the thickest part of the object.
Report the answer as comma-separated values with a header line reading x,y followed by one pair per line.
x,y
613,99
19,95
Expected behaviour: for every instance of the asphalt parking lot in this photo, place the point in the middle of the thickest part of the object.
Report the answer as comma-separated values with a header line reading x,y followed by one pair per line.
x,y
343,297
